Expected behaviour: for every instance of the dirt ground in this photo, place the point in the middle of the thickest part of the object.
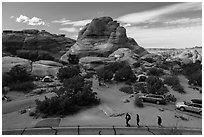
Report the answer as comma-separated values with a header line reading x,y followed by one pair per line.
x,y
110,112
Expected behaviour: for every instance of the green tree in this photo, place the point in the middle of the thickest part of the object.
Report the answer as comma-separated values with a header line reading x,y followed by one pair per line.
x,y
68,72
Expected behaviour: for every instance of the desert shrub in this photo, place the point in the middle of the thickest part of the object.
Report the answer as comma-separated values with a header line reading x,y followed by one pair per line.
x,y
155,71
138,101
68,72
141,87
32,114
6,79
125,74
170,98
196,78
173,81
105,74
127,89
136,64
19,74
22,86
73,59
163,66
75,83
150,60
178,88
156,86
68,101
18,79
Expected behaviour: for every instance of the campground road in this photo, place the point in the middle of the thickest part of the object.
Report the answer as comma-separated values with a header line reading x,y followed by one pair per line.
x,y
103,131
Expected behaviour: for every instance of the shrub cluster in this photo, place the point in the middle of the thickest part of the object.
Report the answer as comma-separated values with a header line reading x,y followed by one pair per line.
x,y
75,94
156,86
138,101
122,71
173,81
155,71
127,89
18,79
193,72
68,72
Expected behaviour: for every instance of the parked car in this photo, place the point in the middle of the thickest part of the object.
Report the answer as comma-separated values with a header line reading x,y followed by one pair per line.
x,y
158,99
197,101
187,106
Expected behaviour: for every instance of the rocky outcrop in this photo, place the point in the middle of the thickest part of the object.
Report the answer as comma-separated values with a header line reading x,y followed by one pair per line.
x,y
39,68
188,56
45,68
125,54
32,39
101,37
9,62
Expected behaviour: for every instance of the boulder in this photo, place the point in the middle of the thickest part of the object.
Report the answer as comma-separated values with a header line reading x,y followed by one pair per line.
x,y
101,37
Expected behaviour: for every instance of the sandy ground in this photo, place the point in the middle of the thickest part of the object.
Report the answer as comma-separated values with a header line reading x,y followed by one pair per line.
x,y
111,104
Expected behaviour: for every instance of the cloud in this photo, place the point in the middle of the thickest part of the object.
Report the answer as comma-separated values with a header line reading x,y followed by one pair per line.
x,y
61,21
77,23
127,25
166,37
153,15
185,21
34,21
11,17
69,29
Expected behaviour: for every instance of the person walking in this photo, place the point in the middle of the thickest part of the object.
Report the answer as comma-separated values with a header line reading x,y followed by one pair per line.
x,y
127,118
159,120
138,120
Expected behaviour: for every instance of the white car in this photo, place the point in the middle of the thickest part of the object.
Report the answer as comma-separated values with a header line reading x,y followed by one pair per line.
x,y
186,106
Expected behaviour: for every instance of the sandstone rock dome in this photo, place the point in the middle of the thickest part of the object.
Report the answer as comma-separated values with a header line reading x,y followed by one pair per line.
x,y
101,37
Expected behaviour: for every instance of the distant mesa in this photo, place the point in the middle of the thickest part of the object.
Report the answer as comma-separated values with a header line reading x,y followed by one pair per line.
x,y
102,37
32,40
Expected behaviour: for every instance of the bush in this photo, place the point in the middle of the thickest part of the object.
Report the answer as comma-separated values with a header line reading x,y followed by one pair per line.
x,y
19,74
155,71
178,88
138,102
66,103
22,86
149,60
105,74
74,84
173,81
125,74
136,64
141,87
156,86
127,90
68,72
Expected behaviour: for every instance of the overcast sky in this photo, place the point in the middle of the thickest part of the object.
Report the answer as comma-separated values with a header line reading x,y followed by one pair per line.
x,y
152,25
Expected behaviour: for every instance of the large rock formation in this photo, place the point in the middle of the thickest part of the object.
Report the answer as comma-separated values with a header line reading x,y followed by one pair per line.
x,y
39,68
33,40
188,56
45,68
102,37
9,62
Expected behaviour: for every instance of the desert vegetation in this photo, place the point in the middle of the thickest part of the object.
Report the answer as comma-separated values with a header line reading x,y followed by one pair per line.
x,y
18,78
173,81
74,95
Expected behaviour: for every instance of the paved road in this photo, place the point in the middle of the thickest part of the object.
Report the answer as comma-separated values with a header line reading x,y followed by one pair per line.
x,y
102,131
